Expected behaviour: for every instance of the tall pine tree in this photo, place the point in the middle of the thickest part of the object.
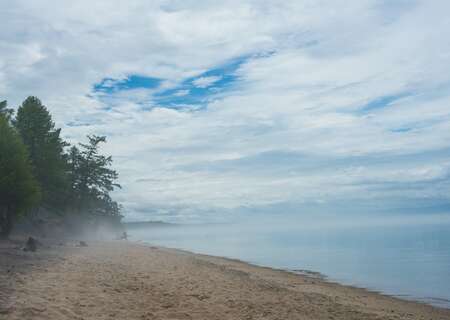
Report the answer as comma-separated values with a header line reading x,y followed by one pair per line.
x,y
91,177
92,180
18,188
45,146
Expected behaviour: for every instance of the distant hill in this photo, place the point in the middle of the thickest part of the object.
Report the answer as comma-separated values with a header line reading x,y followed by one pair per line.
x,y
147,224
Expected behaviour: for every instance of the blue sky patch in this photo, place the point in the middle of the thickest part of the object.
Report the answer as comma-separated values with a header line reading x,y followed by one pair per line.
x,y
109,85
197,91
192,93
383,102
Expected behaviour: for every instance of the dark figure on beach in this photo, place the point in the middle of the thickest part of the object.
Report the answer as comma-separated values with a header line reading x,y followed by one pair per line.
x,y
31,245
124,236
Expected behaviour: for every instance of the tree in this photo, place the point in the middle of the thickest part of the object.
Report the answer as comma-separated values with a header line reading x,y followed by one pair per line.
x,y
18,189
5,111
107,211
92,180
96,175
35,170
45,146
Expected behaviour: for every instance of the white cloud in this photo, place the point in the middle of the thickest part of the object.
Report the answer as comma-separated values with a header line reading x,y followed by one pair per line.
x,y
310,68
205,82
181,93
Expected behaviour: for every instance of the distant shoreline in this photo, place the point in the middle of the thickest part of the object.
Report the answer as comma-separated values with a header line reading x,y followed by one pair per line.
x,y
156,223
126,280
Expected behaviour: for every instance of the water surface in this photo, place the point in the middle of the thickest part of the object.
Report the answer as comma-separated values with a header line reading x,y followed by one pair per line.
x,y
410,260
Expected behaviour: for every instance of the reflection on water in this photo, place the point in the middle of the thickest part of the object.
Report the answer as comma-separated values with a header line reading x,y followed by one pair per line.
x,y
411,260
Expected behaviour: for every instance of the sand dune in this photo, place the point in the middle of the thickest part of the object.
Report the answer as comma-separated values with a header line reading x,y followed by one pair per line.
x,y
120,280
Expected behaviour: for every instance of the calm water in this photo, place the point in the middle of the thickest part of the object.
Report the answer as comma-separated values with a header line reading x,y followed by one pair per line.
x,y
411,260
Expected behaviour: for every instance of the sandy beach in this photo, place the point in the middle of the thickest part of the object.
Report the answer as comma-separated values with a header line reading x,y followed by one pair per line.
x,y
122,280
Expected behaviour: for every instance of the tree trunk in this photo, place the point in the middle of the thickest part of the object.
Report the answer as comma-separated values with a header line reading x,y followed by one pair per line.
x,y
2,220
6,222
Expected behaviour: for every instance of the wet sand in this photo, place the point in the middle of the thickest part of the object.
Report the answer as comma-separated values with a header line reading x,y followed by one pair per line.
x,y
121,280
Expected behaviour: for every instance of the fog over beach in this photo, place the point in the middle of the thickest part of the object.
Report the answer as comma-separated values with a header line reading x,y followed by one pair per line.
x,y
146,146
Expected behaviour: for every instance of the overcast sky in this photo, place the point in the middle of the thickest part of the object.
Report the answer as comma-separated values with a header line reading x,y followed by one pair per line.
x,y
215,106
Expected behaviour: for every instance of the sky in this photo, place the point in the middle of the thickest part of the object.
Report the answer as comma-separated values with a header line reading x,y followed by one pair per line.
x,y
214,108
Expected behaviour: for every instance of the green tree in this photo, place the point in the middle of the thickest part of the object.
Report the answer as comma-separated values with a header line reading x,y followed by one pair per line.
x,y
18,189
5,111
107,211
96,174
92,179
45,146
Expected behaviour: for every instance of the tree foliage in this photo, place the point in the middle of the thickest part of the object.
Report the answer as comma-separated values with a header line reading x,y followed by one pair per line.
x,y
18,188
46,149
37,170
5,111
92,179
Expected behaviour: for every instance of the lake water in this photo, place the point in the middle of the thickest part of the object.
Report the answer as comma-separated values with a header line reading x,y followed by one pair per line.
x,y
410,260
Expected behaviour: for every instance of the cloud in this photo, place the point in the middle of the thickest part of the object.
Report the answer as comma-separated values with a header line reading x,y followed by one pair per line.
x,y
181,93
314,101
205,82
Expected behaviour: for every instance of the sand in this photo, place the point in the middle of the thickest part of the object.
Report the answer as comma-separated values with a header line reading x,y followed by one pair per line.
x,y
121,280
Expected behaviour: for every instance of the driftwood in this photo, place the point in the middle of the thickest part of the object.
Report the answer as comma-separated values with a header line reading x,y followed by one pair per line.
x,y
82,244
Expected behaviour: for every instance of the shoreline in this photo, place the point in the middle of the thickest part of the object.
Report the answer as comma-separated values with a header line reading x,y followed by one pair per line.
x,y
315,275
311,274
132,280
